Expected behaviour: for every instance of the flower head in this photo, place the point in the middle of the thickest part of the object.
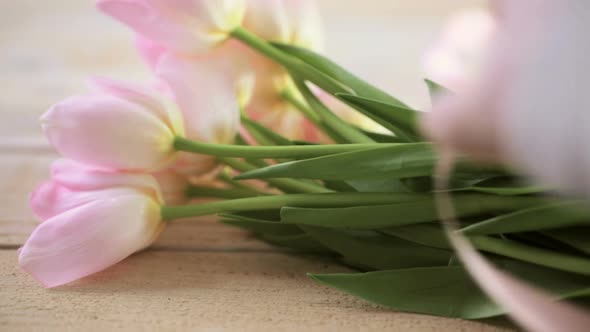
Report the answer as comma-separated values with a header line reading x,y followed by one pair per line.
x,y
286,21
119,126
458,55
90,221
182,26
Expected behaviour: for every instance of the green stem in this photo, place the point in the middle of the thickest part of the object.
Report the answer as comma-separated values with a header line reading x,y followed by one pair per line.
x,y
231,193
287,61
325,200
311,115
225,177
342,128
269,152
289,97
532,255
262,134
286,185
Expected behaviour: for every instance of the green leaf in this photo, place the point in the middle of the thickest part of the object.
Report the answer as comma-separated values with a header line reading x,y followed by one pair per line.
x,y
431,235
379,186
300,242
400,117
382,138
505,191
447,291
398,161
336,72
502,186
422,184
541,256
414,209
400,136
575,237
260,226
335,124
376,250
340,186
550,216
435,89
262,133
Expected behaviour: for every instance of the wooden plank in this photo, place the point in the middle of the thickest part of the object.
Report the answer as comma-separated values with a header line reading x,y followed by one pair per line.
x,y
219,291
19,175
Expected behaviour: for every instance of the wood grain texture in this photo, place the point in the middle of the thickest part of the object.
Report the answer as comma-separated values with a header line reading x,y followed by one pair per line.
x,y
202,290
200,275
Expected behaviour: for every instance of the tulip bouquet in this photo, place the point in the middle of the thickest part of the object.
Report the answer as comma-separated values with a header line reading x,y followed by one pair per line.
x,y
293,148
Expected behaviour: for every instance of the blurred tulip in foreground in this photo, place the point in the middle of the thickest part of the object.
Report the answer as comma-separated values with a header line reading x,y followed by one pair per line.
x,y
457,57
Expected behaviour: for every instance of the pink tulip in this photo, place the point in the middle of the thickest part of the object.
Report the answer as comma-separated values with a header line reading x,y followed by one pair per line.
x,y
307,25
529,108
207,93
182,26
295,22
269,20
457,57
89,222
286,21
81,177
290,22
119,126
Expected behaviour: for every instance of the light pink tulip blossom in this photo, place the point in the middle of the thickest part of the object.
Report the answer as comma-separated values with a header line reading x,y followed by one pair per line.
x,y
290,22
457,56
119,126
90,219
183,26
208,93
530,106
295,22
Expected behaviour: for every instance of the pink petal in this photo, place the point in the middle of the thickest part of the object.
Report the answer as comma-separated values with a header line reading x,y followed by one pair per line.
x,y
149,98
51,198
183,26
206,92
81,177
191,164
268,20
150,51
90,238
306,24
109,132
457,57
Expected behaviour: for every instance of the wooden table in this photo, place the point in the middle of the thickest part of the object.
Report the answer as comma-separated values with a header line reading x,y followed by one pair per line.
x,y
199,275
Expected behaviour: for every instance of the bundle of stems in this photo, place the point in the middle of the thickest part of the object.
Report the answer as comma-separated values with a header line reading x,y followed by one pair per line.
x,y
368,201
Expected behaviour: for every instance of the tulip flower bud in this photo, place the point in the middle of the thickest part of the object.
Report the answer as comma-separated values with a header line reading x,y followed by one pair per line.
x,y
186,27
85,231
286,21
307,26
121,126
207,92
